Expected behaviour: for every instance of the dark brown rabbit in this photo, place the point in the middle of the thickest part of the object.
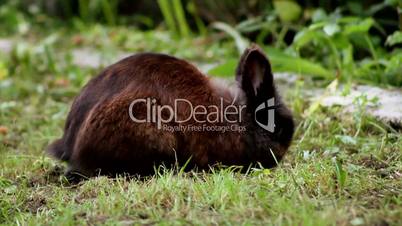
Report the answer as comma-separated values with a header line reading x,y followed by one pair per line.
x,y
101,135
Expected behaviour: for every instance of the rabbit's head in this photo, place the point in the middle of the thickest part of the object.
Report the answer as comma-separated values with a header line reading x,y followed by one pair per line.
x,y
270,123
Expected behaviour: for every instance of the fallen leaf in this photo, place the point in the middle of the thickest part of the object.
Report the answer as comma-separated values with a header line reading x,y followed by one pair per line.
x,y
62,82
77,40
3,130
3,71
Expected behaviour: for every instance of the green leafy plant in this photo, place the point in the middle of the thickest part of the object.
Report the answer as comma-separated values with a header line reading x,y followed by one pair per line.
x,y
90,9
395,38
287,10
341,174
281,62
174,16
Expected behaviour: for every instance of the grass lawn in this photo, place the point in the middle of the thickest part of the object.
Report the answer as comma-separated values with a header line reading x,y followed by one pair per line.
x,y
342,169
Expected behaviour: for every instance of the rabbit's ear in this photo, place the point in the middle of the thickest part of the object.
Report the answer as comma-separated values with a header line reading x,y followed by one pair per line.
x,y
254,75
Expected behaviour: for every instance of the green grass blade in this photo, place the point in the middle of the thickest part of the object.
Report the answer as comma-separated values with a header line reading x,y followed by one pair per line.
x,y
181,19
167,15
241,43
83,7
109,11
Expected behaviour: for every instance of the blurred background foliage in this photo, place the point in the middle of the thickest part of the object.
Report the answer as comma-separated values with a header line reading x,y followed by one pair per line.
x,y
354,40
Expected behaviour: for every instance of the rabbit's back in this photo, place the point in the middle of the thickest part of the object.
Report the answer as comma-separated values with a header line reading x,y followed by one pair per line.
x,y
99,131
